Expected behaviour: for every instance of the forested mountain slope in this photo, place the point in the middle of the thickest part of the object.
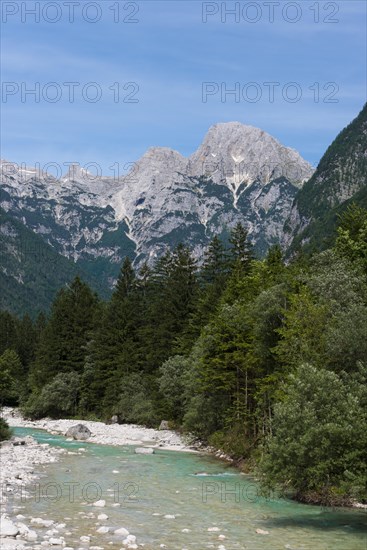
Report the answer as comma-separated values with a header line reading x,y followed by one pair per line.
x,y
340,178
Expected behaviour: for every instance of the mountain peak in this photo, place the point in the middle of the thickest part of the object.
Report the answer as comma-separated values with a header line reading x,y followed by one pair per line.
x,y
241,154
233,125
162,153
77,174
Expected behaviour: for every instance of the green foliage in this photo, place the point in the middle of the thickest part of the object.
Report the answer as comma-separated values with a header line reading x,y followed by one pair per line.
x,y
339,178
11,378
241,250
232,442
213,277
320,443
5,431
325,323
57,399
32,271
352,236
133,403
63,342
114,350
8,331
172,384
302,334
203,415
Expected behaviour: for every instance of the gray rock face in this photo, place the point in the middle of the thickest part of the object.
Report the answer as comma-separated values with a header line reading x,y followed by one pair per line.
x,y
240,154
79,432
238,174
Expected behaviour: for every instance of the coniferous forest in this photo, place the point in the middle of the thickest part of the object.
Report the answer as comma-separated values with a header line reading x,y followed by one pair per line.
x,y
264,359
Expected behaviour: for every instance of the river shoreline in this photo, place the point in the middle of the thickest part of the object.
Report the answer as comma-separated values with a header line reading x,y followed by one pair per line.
x,y
106,434
135,435
22,461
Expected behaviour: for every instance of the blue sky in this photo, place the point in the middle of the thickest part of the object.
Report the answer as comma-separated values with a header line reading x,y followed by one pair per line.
x,y
168,53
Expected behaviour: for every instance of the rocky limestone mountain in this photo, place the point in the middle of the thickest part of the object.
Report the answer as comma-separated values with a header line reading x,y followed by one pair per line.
x,y
238,174
238,155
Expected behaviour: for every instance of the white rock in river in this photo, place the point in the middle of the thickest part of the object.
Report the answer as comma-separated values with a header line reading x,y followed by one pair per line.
x,y
122,531
131,538
262,532
102,517
31,536
8,528
79,431
103,530
144,451
84,538
52,532
42,522
169,516
100,503
56,542
22,528
10,544
213,529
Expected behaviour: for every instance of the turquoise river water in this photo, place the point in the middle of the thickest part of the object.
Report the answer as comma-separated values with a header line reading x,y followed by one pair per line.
x,y
200,492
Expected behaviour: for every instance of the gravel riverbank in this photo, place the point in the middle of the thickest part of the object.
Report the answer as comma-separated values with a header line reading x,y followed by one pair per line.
x,y
106,434
21,461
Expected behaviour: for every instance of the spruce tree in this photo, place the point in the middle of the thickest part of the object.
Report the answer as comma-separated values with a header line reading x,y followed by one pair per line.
x,y
241,251
212,277
26,340
214,268
63,342
8,331
115,350
11,378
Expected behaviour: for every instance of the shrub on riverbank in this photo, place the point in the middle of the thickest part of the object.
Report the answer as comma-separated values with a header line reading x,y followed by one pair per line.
x,y
319,441
57,399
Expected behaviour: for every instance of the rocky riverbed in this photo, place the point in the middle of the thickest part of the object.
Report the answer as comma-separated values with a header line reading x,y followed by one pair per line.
x,y
106,434
21,460
180,500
